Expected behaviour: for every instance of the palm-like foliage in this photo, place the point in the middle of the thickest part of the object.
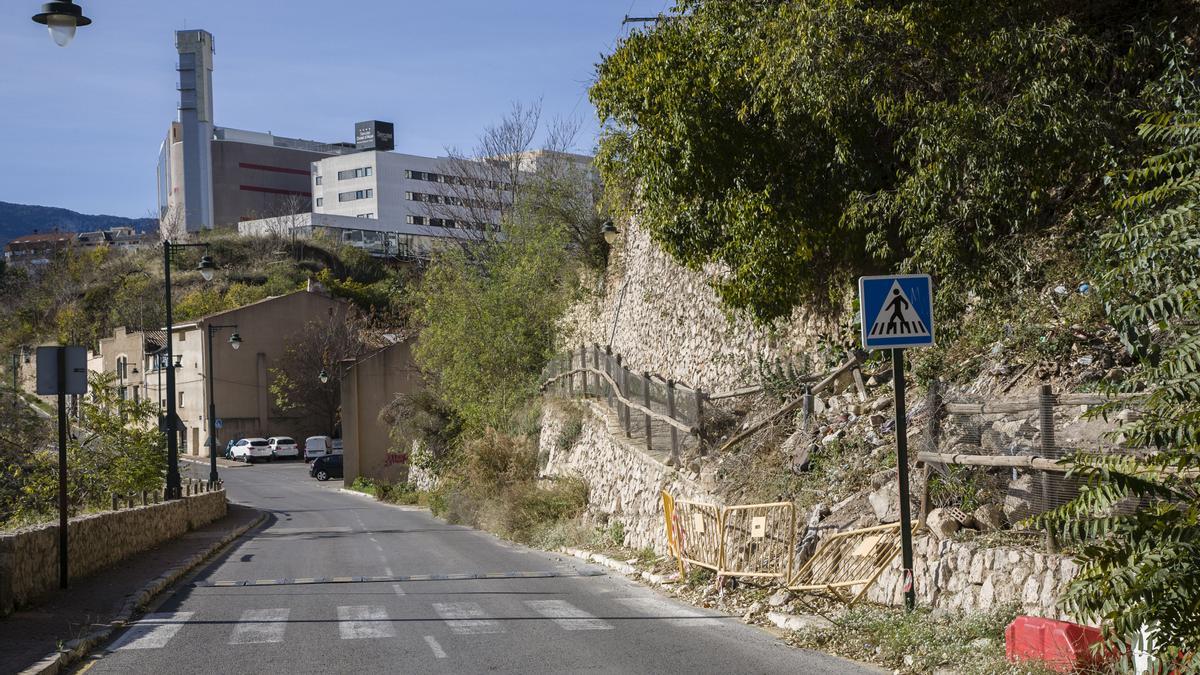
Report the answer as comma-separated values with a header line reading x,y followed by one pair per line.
x,y
1143,568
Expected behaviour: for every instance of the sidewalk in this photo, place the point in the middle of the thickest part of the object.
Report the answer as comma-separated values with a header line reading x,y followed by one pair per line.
x,y
29,636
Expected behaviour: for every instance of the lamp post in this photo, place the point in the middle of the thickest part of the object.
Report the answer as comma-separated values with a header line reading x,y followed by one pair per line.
x,y
206,267
61,18
235,341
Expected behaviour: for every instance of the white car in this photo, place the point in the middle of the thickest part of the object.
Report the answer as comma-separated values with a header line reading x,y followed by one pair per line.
x,y
317,446
283,446
250,449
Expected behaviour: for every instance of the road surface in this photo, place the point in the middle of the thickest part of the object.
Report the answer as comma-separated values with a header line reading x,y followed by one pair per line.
x,y
343,584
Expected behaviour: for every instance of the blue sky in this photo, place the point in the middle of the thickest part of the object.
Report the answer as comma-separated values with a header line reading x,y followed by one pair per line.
x,y
80,127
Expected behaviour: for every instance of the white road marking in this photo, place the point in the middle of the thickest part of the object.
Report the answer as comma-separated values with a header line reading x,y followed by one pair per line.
x,y
437,649
567,616
260,625
153,631
399,590
388,571
466,618
673,614
357,622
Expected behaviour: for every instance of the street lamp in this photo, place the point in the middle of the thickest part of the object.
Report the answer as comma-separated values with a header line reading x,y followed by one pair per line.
x,y
206,267
323,376
610,232
61,18
235,341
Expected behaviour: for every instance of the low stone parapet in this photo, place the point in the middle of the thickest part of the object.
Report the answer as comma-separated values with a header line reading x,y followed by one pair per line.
x,y
29,556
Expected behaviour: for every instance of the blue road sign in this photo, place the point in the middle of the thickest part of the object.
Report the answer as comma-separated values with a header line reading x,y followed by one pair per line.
x,y
897,311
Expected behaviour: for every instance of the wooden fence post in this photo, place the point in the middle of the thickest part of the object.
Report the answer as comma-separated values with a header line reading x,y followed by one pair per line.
x,y
583,375
1049,449
620,389
608,389
145,498
570,378
646,402
699,420
116,504
596,366
671,412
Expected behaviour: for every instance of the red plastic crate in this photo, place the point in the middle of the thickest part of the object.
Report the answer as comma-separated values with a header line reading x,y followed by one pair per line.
x,y
1061,645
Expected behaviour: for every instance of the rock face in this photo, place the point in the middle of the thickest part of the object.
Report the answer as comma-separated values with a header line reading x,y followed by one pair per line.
x,y
668,321
885,502
29,557
1018,501
989,518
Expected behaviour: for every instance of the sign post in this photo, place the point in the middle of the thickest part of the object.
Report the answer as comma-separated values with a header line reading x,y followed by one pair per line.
x,y
62,371
897,313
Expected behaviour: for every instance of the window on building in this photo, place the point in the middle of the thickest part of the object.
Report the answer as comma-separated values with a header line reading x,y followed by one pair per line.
x,y
356,194
317,180
414,220
361,172
180,405
320,201
366,215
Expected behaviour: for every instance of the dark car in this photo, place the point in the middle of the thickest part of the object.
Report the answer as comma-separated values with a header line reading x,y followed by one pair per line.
x,y
324,468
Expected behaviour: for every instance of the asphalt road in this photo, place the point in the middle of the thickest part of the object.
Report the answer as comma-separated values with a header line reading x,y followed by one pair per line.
x,y
578,620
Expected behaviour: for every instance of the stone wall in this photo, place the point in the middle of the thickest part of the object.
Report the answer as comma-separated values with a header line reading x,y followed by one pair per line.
x,y
670,322
625,484
29,557
966,577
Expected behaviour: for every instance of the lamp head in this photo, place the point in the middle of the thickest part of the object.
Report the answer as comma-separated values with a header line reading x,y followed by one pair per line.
x,y
610,232
206,267
235,341
323,376
61,19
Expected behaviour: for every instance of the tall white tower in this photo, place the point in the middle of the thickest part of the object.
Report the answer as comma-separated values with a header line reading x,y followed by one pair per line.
x,y
196,119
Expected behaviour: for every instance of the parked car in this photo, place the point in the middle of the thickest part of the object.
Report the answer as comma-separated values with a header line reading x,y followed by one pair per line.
x,y
250,449
283,446
324,468
317,446
337,447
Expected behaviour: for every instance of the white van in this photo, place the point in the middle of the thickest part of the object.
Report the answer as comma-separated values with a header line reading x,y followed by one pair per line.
x,y
317,446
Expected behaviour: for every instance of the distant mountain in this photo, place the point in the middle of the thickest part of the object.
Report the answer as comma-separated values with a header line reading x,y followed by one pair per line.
x,y
21,219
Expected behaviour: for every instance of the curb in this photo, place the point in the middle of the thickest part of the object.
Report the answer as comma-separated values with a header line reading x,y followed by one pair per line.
x,y
402,507
622,567
76,649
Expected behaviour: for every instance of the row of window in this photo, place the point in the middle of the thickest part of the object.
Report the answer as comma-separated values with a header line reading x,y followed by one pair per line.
x,y
451,201
365,215
355,194
362,172
455,180
434,222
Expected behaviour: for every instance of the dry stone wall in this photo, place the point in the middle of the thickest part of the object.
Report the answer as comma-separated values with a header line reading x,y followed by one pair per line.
x,y
29,557
668,321
625,484
965,577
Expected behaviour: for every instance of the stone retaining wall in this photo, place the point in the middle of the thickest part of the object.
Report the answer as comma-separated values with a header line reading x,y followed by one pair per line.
x,y
669,321
625,484
965,577
29,557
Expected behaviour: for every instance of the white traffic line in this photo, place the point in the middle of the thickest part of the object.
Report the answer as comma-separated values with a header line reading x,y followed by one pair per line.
x,y
437,649
466,618
153,631
357,622
397,588
567,616
673,613
258,626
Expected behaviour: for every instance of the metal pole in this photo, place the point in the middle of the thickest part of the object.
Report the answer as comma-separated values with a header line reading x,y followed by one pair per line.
x,y
63,575
174,489
906,552
212,413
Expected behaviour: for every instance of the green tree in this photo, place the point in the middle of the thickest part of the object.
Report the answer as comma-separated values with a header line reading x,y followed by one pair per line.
x,y
488,314
796,142
1142,568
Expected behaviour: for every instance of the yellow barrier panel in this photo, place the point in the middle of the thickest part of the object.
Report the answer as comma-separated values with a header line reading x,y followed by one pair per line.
x,y
673,535
699,533
757,540
848,559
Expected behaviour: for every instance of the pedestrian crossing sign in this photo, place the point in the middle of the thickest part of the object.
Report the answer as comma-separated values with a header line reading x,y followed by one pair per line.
x,y
897,311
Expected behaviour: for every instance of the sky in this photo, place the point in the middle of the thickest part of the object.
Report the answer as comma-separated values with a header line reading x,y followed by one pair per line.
x,y
81,126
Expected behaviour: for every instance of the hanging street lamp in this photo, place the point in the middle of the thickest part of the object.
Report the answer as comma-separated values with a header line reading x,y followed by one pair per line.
x,y
61,19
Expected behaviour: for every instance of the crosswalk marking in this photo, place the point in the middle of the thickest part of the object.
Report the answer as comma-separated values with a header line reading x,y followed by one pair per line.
x,y
437,648
567,616
466,618
358,622
672,612
259,626
398,589
153,631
